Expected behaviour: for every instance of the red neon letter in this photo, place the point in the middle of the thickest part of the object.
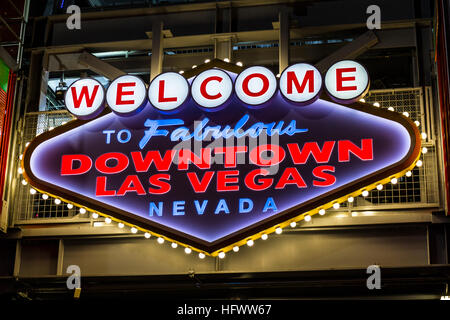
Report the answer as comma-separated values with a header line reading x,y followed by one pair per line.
x,y
223,179
261,184
364,153
278,154
203,88
328,179
121,162
297,179
263,89
131,183
84,94
161,164
292,78
340,79
163,187
321,156
197,185
67,168
161,97
121,93
100,188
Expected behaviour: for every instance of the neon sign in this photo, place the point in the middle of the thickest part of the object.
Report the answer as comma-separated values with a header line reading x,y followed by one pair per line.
x,y
227,158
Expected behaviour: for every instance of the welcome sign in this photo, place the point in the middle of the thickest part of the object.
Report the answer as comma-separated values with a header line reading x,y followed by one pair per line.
x,y
224,155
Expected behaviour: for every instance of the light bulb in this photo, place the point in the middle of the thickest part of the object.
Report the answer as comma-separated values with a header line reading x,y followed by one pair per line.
x,y
82,210
160,240
95,216
134,230
362,100
250,243
391,109
423,135
239,64
406,114
33,191
380,187
20,171
221,254
187,250
336,205
69,206
147,235
207,60
365,193
121,225
194,66
181,71
293,224
57,201
235,248
419,163
417,123
394,180
108,220
322,212
24,182
409,174
376,104
424,150
350,199
226,60
174,245
45,196
307,218
201,255
278,230
264,236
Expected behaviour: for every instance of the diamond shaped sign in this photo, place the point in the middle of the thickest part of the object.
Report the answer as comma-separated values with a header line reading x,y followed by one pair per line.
x,y
214,180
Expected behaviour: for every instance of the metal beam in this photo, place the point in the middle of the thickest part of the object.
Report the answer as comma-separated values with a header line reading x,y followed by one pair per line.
x,y
349,51
283,41
157,49
101,67
7,59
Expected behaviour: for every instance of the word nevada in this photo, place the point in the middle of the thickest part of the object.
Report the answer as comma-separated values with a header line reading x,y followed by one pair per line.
x,y
212,90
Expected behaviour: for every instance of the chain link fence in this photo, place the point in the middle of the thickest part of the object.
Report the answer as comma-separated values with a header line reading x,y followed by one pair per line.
x,y
420,189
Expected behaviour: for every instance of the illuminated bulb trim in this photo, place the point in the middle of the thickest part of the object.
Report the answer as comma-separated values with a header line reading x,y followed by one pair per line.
x,y
424,150
194,66
226,60
45,196
278,230
406,114
187,250
419,163
380,187
307,218
160,240
121,225
147,235
57,201
69,206
417,123
350,199
293,224
394,180
201,255
174,245
250,243
362,100
264,236
207,60
20,171
391,109
221,254
24,182
409,174
33,191
239,63
82,210
134,230
376,104
95,215
423,135
181,71
108,220
336,205
235,248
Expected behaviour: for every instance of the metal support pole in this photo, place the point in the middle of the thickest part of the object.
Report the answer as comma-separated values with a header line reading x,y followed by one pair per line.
x,y
18,258
223,47
157,49
283,38
60,262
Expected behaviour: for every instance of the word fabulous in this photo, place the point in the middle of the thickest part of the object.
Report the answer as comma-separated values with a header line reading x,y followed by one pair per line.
x,y
345,82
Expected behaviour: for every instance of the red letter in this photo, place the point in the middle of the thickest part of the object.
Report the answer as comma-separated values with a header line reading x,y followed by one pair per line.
x,y
364,153
321,156
67,164
203,88
155,180
131,183
161,164
278,155
263,89
100,188
328,179
230,154
161,97
200,186
186,155
83,94
284,180
292,78
340,79
121,93
222,180
121,162
262,183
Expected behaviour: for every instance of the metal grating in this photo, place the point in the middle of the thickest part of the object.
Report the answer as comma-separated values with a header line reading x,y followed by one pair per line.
x,y
421,189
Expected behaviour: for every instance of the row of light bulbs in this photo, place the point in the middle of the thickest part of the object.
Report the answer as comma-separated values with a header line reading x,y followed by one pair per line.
x,y
250,242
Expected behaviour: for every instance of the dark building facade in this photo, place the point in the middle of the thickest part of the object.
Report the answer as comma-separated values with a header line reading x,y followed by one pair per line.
x,y
404,228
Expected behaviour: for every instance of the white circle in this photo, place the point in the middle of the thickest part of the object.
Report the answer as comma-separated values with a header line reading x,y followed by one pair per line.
x,y
85,105
168,91
216,84
299,85
133,94
255,78
353,83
